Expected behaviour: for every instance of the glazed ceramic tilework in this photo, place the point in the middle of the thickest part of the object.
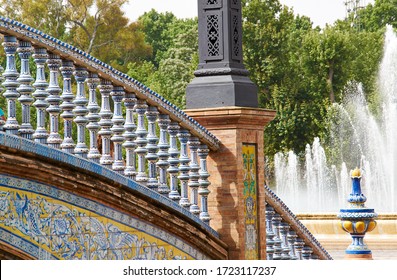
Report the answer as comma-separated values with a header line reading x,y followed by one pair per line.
x,y
48,223
250,202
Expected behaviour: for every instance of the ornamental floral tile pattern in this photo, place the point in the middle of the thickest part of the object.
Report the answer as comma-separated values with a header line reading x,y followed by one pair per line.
x,y
49,223
250,202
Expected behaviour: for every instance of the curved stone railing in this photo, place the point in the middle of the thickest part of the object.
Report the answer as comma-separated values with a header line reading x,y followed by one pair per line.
x,y
286,237
143,137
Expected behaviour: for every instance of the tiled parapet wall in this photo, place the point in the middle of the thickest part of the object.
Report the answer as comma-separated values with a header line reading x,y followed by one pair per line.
x,y
286,237
48,223
128,143
51,209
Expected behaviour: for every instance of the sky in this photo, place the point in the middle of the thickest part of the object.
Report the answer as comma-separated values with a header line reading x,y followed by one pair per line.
x,y
320,11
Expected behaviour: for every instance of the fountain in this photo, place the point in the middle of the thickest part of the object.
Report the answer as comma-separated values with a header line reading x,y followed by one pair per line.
x,y
358,138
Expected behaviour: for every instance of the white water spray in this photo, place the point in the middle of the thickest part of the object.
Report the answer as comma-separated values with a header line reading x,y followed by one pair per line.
x,y
360,139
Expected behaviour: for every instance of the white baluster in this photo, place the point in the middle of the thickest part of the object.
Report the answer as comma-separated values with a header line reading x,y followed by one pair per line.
x,y
130,136
67,106
93,117
11,74
80,111
141,141
118,129
54,139
25,89
106,123
163,164
40,56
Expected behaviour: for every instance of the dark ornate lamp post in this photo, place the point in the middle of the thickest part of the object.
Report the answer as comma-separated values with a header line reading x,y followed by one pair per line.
x,y
221,78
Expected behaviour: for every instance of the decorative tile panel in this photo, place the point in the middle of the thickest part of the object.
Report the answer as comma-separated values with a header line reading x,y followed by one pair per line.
x,y
48,223
250,201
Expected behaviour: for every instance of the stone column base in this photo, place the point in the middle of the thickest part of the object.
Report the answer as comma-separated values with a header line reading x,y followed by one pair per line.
x,y
237,200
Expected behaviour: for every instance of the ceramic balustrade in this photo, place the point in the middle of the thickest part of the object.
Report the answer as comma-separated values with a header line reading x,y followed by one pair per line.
x,y
133,137
282,243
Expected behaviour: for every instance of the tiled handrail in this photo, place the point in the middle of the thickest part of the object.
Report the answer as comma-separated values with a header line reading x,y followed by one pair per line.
x,y
171,162
286,237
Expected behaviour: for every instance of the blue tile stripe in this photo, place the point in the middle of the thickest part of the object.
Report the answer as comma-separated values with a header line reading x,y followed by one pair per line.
x,y
26,145
69,51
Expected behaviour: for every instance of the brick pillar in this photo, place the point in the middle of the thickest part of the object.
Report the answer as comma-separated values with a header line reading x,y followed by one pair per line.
x,y
238,129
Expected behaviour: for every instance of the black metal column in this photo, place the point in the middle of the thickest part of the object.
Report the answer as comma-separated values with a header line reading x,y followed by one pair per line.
x,y
221,78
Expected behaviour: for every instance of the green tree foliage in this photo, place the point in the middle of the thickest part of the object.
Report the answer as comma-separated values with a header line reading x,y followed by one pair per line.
x,y
175,44
376,16
99,27
301,70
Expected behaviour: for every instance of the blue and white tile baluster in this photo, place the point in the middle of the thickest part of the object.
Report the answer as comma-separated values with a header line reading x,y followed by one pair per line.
x,y
194,175
54,139
307,252
25,89
162,163
269,232
117,129
284,228
291,242
93,117
2,122
106,123
299,243
184,168
277,238
40,56
141,141
130,136
173,160
11,74
152,148
80,111
204,183
67,106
